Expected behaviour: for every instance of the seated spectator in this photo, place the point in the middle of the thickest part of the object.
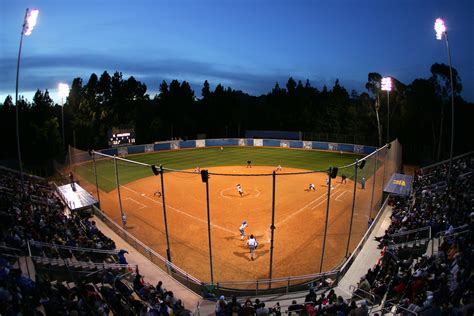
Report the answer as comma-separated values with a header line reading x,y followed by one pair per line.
x,y
247,309
262,310
295,308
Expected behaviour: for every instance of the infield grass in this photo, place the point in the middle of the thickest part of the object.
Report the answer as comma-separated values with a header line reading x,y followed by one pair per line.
x,y
212,157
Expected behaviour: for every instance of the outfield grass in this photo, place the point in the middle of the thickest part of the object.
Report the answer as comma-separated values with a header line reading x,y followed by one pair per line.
x,y
212,157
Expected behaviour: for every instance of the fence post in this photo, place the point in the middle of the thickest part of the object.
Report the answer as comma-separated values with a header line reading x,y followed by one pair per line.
x,y
95,175
168,250
326,225
209,230
356,166
374,175
124,218
272,227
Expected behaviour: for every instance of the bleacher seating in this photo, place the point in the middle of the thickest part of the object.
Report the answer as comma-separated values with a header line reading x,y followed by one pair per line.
x,y
442,282
76,266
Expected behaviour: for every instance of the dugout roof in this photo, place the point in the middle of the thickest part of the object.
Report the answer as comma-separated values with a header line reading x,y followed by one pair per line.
x,y
399,184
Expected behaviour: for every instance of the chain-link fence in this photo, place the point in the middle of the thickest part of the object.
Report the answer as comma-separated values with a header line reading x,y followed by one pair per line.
x,y
190,223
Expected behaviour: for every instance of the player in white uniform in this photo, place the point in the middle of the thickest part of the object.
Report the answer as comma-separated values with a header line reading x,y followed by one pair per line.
x,y
239,189
242,229
278,168
252,244
312,187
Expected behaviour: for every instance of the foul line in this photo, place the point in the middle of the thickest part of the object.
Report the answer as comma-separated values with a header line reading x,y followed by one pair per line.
x,y
337,199
304,207
179,211
142,205
175,209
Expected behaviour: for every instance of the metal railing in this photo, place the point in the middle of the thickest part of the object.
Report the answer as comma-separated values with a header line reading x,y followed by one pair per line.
x,y
71,248
190,281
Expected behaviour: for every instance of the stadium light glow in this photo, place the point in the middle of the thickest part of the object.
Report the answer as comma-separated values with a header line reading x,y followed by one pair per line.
x,y
30,21
440,28
387,84
63,90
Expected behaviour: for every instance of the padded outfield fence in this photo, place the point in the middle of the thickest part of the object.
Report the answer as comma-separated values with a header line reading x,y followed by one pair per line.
x,y
112,171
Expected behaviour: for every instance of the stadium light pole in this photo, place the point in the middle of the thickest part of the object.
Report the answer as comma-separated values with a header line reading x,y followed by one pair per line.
x,y
440,29
29,23
387,86
63,92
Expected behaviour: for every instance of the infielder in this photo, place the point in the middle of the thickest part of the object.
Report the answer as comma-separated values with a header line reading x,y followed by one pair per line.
x,y
312,187
278,168
157,193
239,189
252,244
197,170
242,229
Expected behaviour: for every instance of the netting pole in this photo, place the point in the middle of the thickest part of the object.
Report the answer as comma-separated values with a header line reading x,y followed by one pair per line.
x,y
95,175
70,157
356,166
124,218
326,224
272,227
209,230
168,251
374,175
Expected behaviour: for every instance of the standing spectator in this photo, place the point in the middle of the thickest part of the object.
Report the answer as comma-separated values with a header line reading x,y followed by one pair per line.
x,y
310,297
362,183
121,256
221,306
234,308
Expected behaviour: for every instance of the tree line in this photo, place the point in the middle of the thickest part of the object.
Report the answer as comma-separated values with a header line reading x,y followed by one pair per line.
x,y
420,114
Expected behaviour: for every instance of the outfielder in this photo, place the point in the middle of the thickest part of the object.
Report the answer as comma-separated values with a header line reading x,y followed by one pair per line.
x,y
239,189
242,229
252,244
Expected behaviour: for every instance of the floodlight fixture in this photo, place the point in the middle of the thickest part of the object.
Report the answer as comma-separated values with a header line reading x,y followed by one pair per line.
x,y
440,28
30,21
63,90
387,84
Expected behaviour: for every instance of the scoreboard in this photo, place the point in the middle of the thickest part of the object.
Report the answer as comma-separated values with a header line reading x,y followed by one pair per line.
x,y
121,137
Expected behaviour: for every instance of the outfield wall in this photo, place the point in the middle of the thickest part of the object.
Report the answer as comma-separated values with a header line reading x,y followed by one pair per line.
x,y
250,142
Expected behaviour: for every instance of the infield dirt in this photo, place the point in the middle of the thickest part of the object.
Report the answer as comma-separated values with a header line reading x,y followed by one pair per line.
x,y
300,217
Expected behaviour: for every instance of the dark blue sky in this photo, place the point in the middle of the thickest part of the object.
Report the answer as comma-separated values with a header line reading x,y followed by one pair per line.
x,y
246,44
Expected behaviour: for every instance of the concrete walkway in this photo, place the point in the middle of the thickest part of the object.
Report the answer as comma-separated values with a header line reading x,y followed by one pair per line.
x,y
368,256
151,273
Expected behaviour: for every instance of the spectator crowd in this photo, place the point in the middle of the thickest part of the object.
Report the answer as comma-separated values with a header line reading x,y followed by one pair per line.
x,y
36,214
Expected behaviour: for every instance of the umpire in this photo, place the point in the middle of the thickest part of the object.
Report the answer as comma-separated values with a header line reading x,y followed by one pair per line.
x,y
252,244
